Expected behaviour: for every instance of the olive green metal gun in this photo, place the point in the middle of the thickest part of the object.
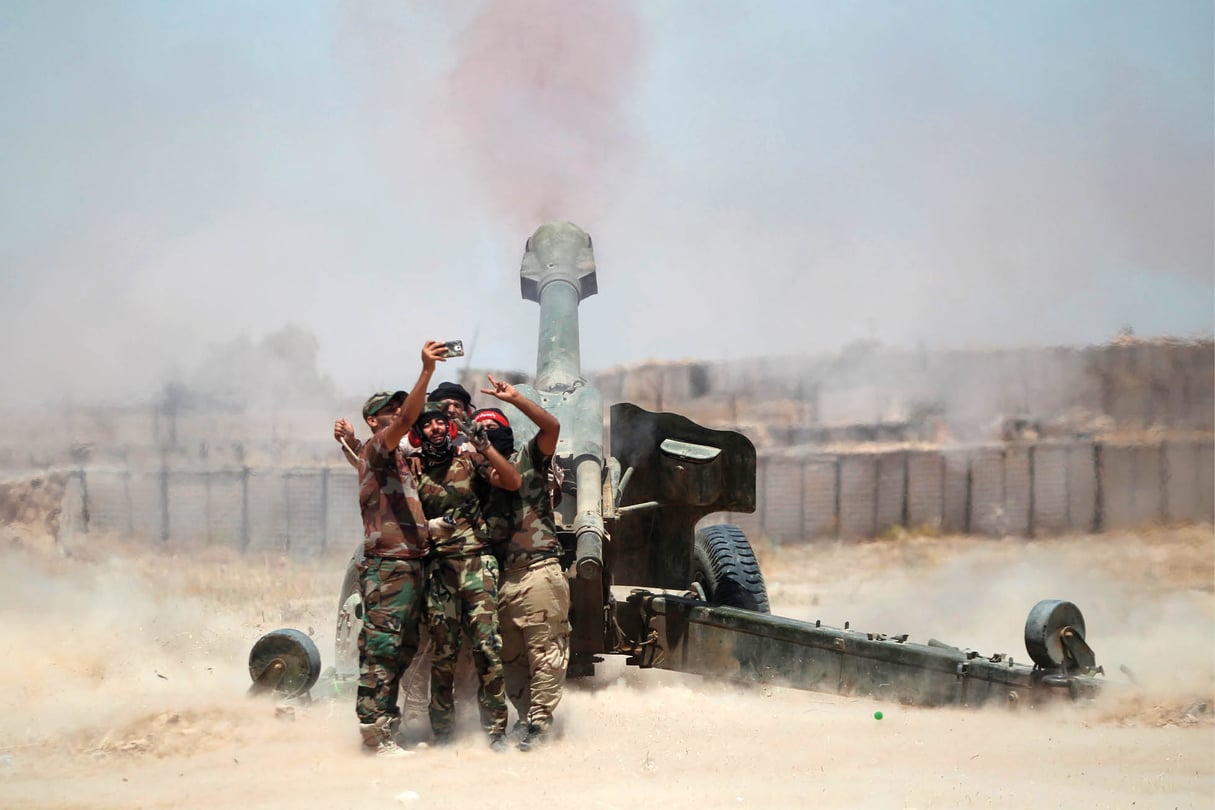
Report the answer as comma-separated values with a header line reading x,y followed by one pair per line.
x,y
649,582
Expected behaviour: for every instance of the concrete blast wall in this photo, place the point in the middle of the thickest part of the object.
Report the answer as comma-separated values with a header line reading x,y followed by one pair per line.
x,y
1021,490
1129,385
1028,490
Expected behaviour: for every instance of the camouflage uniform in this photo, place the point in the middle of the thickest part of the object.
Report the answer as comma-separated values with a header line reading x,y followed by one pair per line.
x,y
460,445
498,508
534,598
415,682
463,592
391,580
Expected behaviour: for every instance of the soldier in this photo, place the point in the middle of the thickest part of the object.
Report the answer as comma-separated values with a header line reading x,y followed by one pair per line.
x,y
462,574
392,573
454,399
534,595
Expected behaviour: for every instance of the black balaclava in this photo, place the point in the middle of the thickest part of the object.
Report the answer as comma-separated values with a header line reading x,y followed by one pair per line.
x,y
432,451
503,436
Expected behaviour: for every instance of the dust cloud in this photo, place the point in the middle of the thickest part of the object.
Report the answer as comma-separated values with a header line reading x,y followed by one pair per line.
x,y
1147,598
125,682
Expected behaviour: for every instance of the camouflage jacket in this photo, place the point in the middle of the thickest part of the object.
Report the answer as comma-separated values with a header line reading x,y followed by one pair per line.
x,y
533,534
394,524
498,509
450,491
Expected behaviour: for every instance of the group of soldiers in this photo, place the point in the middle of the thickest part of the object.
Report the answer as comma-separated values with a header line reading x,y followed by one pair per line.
x,y
460,544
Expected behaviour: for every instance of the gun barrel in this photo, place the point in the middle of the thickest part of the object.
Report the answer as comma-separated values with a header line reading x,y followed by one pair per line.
x,y
588,524
558,271
558,360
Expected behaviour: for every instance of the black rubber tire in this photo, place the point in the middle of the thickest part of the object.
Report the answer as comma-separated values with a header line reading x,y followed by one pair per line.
x,y
724,564
301,659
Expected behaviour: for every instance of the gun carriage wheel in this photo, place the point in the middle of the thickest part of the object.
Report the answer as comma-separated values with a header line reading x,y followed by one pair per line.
x,y
1054,636
349,620
725,568
284,661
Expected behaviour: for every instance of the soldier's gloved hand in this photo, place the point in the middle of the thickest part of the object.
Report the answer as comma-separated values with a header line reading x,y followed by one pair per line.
x,y
441,528
477,435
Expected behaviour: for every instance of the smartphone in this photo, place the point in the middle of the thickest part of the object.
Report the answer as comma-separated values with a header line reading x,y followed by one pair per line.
x,y
455,348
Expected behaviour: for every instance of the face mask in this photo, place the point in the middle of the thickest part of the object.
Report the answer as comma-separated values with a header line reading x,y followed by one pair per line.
x,y
503,440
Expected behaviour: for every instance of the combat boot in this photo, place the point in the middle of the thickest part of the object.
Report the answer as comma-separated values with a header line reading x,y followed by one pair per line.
x,y
378,740
393,727
533,737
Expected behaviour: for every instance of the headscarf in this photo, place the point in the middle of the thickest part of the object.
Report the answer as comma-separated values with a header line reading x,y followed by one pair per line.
x,y
502,436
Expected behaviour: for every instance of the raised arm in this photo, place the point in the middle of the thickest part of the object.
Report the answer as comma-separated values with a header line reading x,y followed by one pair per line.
x,y
502,473
432,352
550,428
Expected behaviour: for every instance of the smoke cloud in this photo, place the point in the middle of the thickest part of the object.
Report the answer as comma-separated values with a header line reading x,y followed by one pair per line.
x,y
776,179
540,96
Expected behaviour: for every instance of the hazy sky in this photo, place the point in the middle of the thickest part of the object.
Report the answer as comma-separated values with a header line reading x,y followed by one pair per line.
x,y
758,177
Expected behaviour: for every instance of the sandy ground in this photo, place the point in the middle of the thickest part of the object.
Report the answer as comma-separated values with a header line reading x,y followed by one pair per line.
x,y
124,679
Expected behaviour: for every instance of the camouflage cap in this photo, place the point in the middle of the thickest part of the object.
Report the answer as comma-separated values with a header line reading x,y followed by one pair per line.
x,y
379,399
432,410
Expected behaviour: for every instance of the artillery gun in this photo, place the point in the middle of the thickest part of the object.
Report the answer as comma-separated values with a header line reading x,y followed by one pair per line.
x,y
650,583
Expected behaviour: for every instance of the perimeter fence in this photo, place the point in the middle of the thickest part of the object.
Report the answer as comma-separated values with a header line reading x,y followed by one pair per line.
x,y
1030,489
302,511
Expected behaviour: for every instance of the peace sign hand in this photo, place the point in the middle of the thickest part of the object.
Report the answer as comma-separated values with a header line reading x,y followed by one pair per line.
x,y
501,390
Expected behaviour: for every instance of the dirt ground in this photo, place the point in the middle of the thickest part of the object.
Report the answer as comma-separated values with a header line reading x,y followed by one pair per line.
x,y
124,679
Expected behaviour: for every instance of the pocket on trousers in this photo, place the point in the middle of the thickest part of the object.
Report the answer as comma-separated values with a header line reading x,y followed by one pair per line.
x,y
535,619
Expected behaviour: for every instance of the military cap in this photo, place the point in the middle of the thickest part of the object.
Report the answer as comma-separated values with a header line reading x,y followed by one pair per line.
x,y
379,399
432,410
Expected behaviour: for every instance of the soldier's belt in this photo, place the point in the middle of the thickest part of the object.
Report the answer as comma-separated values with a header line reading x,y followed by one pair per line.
x,y
535,564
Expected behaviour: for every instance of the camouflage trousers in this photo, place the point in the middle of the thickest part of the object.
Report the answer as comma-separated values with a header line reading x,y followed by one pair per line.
x,y
534,610
415,683
392,613
463,600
